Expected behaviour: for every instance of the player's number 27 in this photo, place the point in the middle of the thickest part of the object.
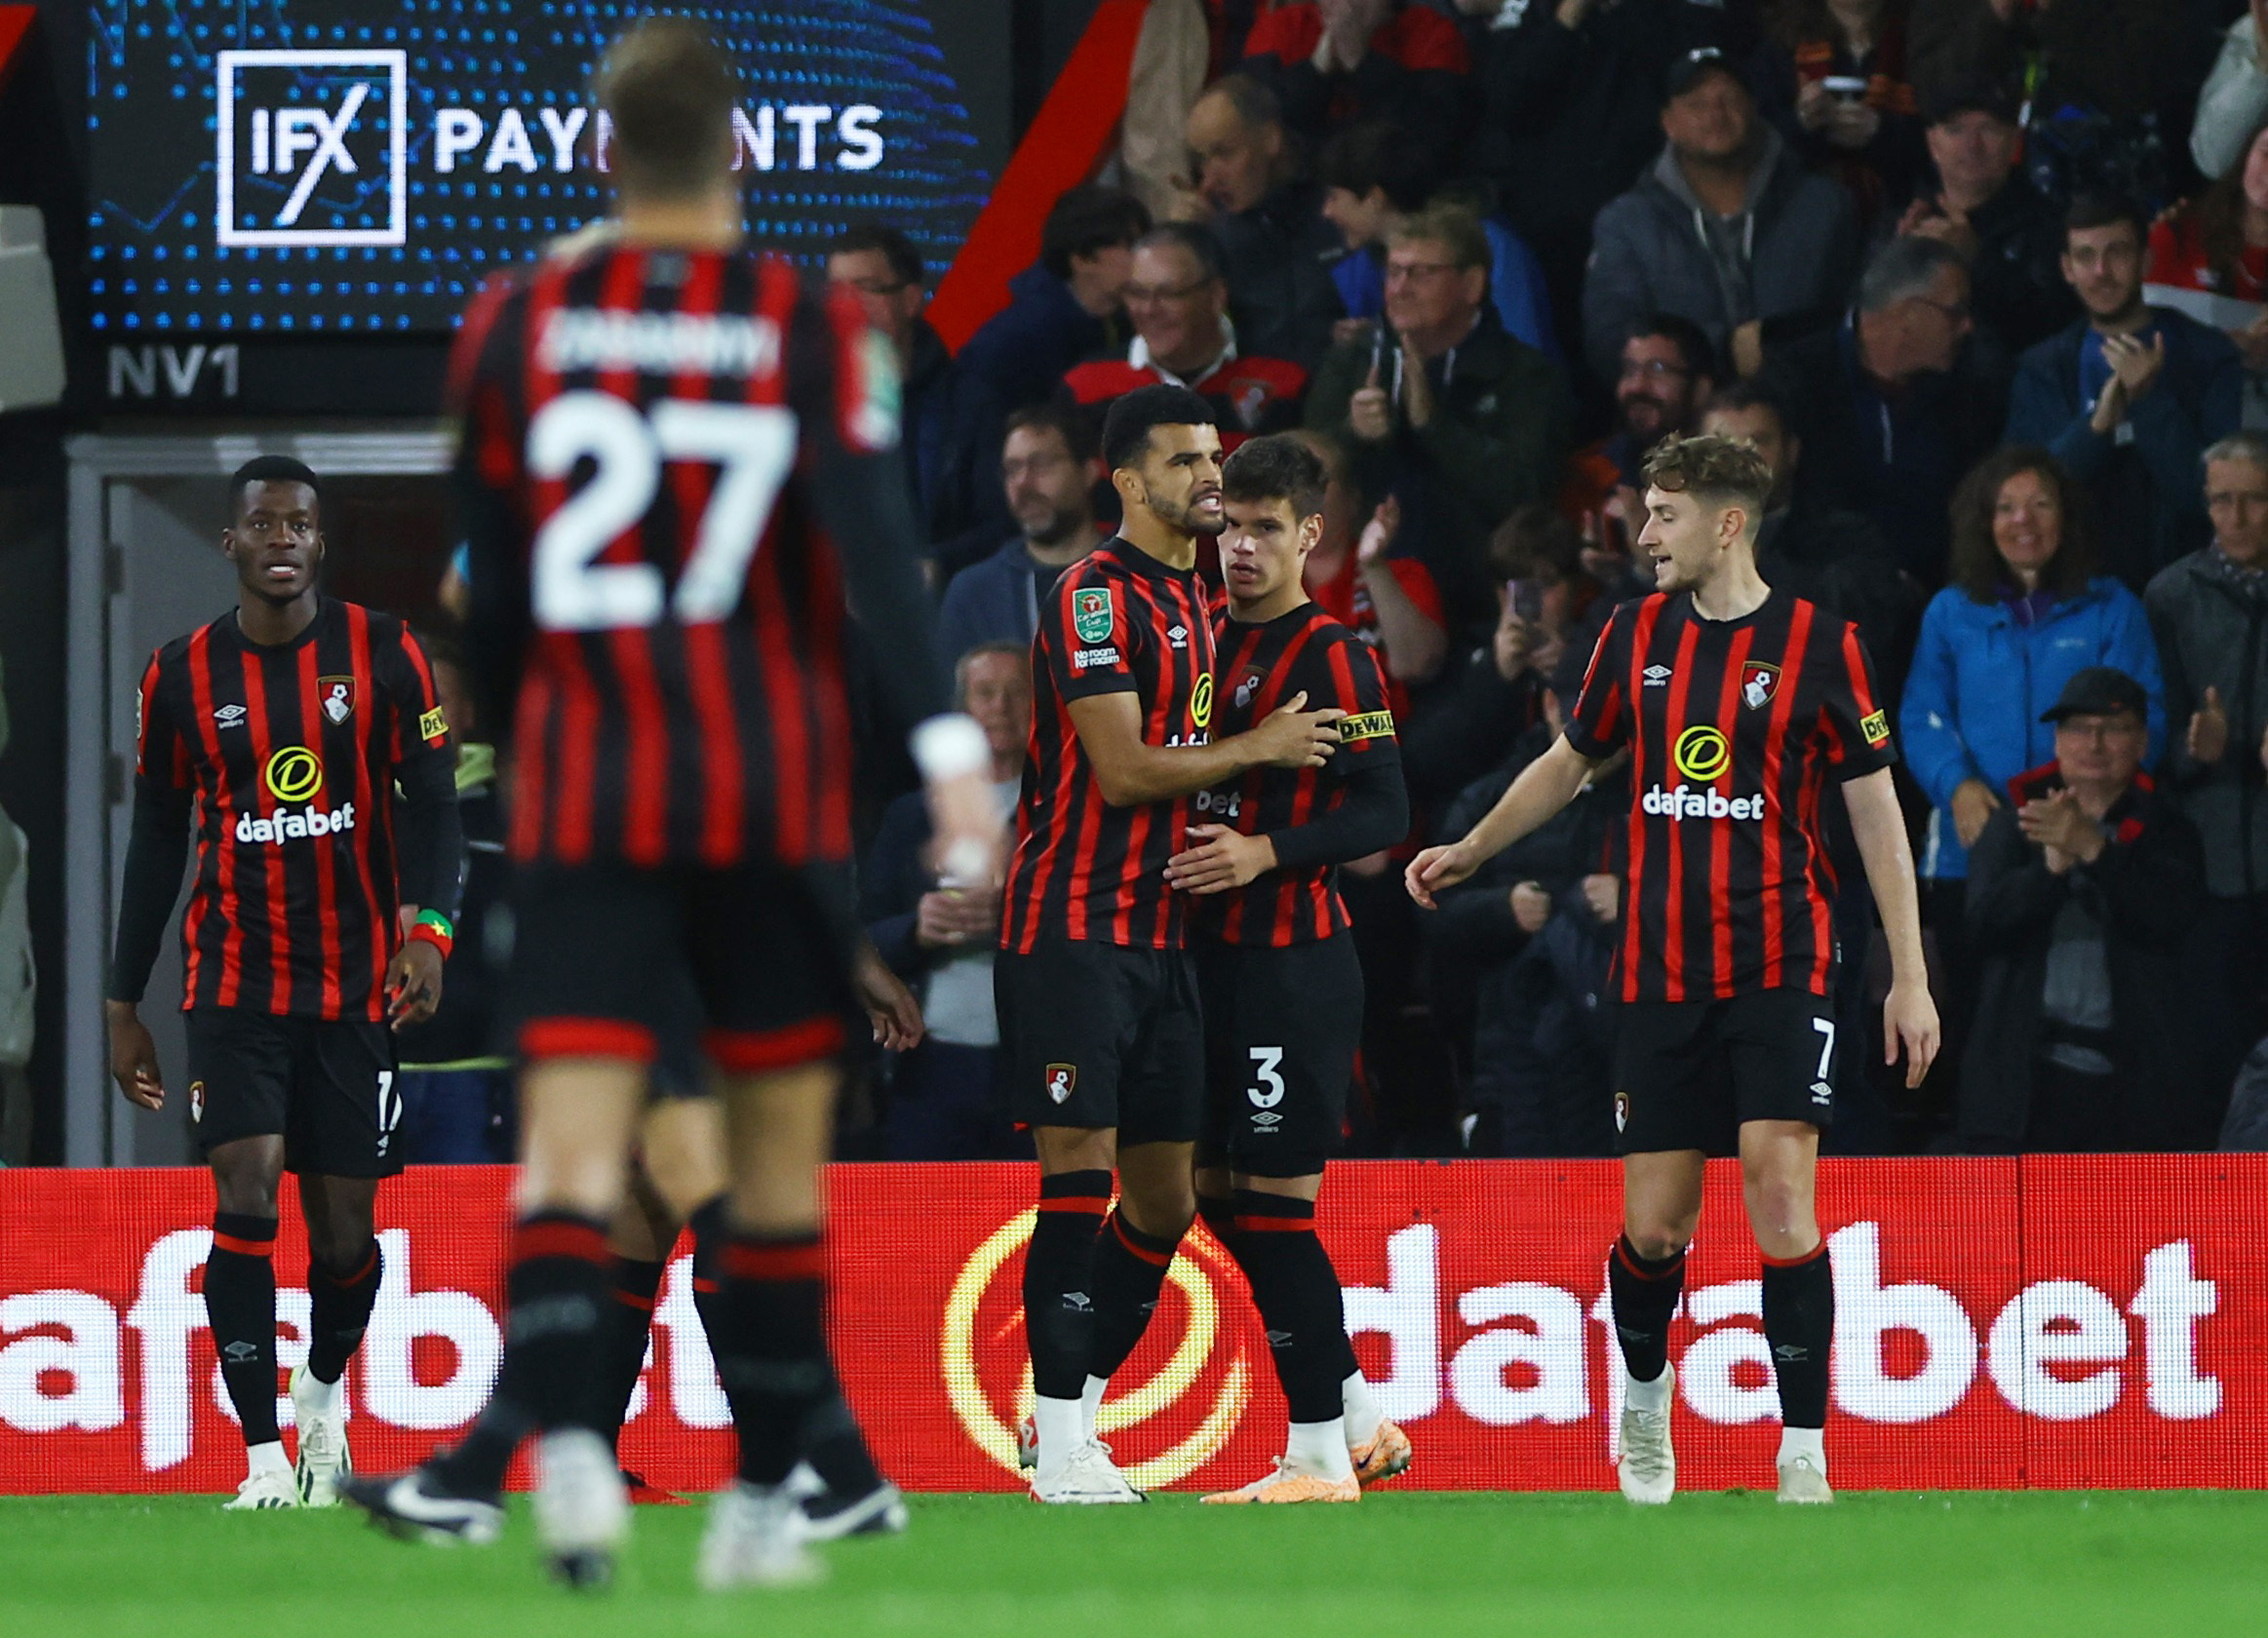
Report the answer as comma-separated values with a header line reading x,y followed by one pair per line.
x,y
754,448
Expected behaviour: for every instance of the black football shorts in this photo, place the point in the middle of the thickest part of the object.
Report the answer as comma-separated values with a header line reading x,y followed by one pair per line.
x,y
1687,1074
747,968
326,1087
1100,1035
1281,1030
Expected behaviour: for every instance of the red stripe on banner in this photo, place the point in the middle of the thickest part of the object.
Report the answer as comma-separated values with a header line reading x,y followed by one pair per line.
x,y
764,1051
2054,1321
742,1261
586,1037
1058,152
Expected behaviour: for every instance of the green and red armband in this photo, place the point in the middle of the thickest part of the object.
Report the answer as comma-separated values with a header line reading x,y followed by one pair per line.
x,y
434,928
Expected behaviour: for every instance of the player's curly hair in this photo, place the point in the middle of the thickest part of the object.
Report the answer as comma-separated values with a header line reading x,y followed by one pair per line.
x,y
1720,471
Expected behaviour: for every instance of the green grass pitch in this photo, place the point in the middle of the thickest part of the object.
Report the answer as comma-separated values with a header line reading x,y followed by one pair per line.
x,y
2129,1564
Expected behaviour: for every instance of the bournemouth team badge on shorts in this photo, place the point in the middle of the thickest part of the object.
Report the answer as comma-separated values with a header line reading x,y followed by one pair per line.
x,y
1062,1078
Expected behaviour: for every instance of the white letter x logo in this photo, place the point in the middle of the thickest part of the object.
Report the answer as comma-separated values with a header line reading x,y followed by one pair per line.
x,y
329,148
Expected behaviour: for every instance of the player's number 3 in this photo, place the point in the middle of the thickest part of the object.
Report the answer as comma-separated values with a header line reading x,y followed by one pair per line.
x,y
754,448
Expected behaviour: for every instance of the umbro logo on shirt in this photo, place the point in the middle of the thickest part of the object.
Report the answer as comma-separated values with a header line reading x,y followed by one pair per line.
x,y
1657,675
1178,636
230,716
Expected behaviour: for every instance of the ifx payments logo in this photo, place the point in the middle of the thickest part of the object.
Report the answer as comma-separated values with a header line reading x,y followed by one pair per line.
x,y
313,148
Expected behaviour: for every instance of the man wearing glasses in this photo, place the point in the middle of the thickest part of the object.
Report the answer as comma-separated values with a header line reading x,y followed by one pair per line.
x,y
1178,299
951,423
1668,371
1892,403
1441,407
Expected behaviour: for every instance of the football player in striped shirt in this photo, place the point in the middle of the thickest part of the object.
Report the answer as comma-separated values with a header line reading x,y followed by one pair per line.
x,y
1276,969
1099,1023
1738,704
319,917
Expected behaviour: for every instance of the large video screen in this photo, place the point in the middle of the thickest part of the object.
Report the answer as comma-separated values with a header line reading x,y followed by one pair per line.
x,y
343,168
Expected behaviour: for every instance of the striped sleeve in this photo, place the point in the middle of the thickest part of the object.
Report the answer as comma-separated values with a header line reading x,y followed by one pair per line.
x,y
1601,722
1854,722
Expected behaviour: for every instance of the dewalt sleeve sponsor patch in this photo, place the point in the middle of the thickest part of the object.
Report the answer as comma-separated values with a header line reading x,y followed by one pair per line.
x,y
1370,725
1876,727
433,727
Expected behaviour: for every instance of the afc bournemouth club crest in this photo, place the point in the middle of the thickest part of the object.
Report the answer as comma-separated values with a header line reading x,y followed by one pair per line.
x,y
1245,689
1758,683
1091,614
196,1101
1061,1079
1622,1111
337,696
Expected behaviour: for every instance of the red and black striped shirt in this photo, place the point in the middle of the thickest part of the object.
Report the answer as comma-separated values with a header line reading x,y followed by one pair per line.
x,y
655,600
1119,621
1261,667
292,754
1733,728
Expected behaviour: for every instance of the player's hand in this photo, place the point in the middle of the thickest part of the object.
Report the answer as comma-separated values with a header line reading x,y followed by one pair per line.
x,y
1293,737
1224,859
1370,413
1909,1017
2208,729
1604,895
1973,807
413,983
969,849
890,1007
1438,868
1531,907
134,1056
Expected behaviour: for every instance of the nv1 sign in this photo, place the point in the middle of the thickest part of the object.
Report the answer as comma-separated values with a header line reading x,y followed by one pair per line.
x,y
2000,1323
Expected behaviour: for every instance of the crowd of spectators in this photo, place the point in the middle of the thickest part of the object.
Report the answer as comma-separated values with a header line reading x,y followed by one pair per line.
x,y
1984,280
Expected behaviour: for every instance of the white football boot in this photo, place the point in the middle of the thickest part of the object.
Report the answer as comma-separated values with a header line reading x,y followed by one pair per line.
x,y
1647,1468
323,1459
1087,1477
582,1510
756,1538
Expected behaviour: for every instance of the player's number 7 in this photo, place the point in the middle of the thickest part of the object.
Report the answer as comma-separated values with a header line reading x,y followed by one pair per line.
x,y
754,448
1827,1028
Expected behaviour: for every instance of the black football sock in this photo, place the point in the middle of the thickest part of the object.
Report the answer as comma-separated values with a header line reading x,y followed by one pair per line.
x,y
477,1467
556,1288
1297,1292
1217,1213
340,1311
1645,1294
1129,1273
771,1356
629,1322
1059,1310
711,1232
1799,1324
240,1304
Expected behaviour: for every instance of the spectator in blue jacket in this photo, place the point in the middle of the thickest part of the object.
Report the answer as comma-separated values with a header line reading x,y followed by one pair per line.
x,y
2129,397
2024,613
1373,177
1066,306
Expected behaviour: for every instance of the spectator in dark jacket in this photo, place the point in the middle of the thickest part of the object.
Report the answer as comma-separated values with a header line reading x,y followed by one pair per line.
x,y
1536,929
1833,78
2081,894
1727,229
2119,58
1049,469
2209,614
939,937
1571,98
1461,422
1343,61
949,420
1271,223
2129,397
1893,407
1987,209
1065,306
1816,548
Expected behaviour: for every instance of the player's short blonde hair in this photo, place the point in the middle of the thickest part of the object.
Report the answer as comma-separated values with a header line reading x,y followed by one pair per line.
x,y
670,94
1718,470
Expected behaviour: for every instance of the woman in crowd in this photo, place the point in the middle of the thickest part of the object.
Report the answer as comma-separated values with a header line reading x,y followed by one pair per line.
x,y
2209,258
2024,612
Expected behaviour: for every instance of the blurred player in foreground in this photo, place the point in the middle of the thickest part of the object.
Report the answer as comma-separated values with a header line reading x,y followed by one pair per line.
x,y
676,462
1738,703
